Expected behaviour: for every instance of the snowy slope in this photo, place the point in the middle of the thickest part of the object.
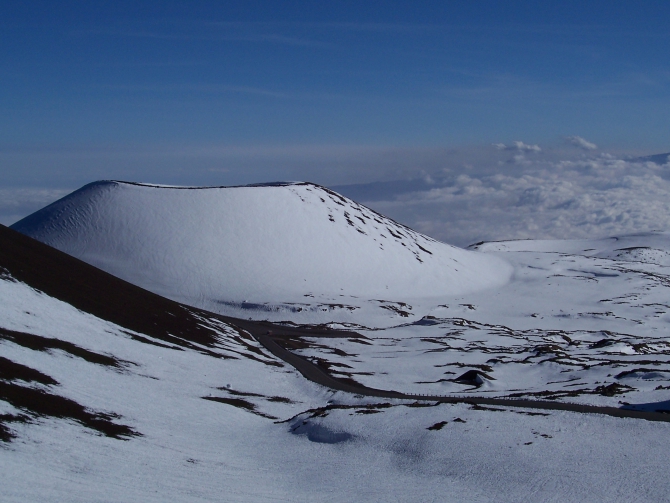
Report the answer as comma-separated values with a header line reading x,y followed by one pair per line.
x,y
224,248
583,321
648,247
199,417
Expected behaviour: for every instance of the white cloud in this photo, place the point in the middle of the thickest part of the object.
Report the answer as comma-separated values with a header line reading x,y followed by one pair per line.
x,y
518,146
592,197
580,142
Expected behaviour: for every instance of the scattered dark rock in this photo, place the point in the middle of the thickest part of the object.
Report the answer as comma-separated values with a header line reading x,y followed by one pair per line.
x,y
396,310
6,434
240,404
473,378
549,349
360,341
10,371
40,403
602,343
642,348
39,343
422,404
613,389
475,406
280,399
480,366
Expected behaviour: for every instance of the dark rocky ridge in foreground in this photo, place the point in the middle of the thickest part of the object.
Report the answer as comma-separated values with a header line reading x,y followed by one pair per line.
x,y
96,292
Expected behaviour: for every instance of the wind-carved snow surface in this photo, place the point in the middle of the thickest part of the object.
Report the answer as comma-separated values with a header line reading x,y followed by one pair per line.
x,y
264,251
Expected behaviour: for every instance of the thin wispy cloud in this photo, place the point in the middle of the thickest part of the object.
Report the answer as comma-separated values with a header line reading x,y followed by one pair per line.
x,y
580,142
518,146
200,88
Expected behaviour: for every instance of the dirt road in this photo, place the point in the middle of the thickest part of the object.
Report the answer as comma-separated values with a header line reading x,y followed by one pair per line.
x,y
319,376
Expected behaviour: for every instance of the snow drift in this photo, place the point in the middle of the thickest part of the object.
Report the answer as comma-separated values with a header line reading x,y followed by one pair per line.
x,y
277,242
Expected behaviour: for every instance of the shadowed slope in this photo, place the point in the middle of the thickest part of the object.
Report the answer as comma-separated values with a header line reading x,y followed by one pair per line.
x,y
97,292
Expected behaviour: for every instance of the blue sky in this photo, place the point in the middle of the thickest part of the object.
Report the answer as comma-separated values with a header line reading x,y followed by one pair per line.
x,y
334,92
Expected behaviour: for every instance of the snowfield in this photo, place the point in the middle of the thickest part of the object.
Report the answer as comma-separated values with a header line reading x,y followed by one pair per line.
x,y
144,399
580,321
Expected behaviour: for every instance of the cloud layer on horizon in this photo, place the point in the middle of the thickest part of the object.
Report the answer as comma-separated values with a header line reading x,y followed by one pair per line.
x,y
459,196
595,196
16,203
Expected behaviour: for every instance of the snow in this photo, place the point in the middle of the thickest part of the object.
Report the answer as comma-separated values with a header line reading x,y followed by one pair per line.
x,y
576,317
563,319
225,248
198,450
582,321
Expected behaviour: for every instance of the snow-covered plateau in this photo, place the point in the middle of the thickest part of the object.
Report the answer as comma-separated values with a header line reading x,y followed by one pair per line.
x,y
112,393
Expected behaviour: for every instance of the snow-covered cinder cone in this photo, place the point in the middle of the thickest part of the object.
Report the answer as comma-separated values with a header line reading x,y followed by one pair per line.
x,y
287,242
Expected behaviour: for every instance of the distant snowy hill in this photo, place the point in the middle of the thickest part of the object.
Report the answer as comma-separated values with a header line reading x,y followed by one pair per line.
x,y
298,246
